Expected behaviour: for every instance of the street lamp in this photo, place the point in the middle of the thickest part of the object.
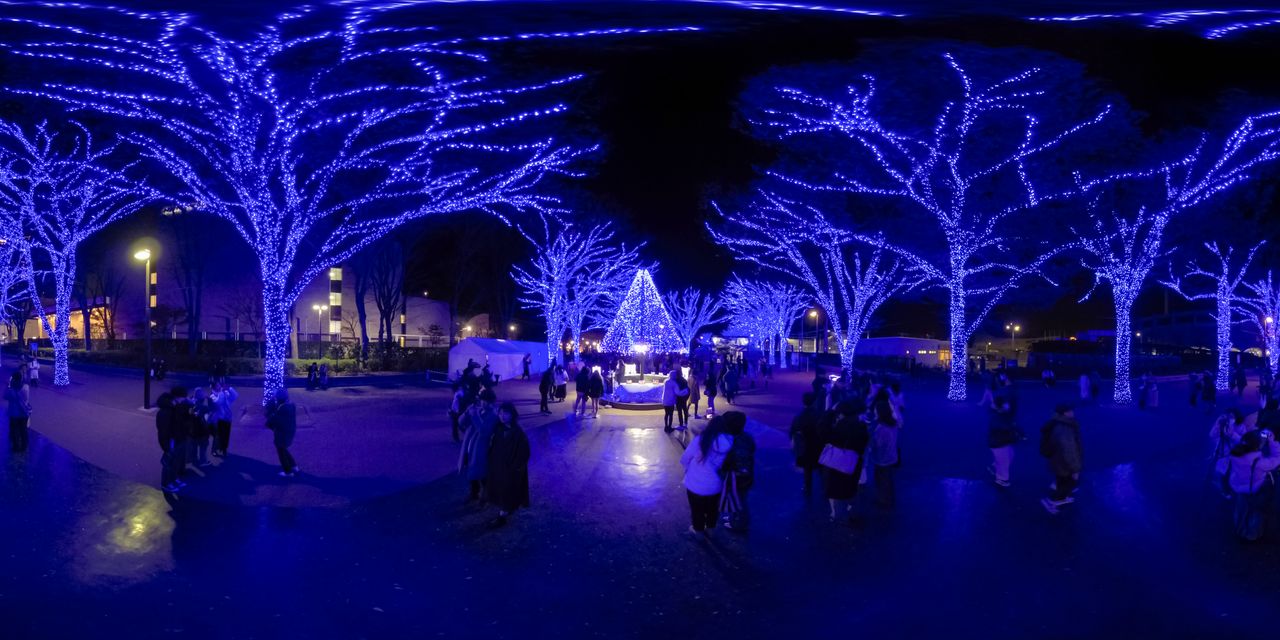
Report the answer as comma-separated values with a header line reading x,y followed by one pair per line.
x,y
813,313
1013,330
144,255
319,309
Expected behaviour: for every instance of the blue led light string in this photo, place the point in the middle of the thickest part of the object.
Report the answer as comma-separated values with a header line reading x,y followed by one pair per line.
x,y
764,309
58,189
1260,302
691,310
642,324
312,162
847,278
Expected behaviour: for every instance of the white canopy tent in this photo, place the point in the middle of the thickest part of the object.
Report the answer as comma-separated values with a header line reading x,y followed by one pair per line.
x,y
504,357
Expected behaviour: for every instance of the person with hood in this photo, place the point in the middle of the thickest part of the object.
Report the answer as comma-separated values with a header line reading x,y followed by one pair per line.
x,y
507,481
478,424
1002,434
1246,473
546,387
1060,443
703,461
221,399
18,395
282,420
805,441
739,473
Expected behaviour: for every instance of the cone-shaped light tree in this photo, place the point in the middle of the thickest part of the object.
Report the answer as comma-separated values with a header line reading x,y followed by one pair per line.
x,y
642,324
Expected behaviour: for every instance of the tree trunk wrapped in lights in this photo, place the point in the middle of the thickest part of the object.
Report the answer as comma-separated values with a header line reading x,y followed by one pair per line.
x,y
691,310
847,278
950,171
576,281
316,136
1261,302
1227,280
1122,250
59,188
769,308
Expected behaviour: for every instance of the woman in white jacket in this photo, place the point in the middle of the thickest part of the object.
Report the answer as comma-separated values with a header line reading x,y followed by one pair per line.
x,y
703,481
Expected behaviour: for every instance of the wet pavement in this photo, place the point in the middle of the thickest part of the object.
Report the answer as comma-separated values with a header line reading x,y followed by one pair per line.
x,y
1146,551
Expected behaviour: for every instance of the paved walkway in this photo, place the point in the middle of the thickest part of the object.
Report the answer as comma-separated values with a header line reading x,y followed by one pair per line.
x,y
1146,552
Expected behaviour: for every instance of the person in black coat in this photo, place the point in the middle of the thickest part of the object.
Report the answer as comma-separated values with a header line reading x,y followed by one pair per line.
x,y
844,428
507,484
546,386
282,420
164,434
805,441
595,390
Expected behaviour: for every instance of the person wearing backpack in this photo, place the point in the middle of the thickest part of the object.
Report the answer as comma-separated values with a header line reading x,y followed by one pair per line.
x,y
1060,443
1246,473
739,473
703,462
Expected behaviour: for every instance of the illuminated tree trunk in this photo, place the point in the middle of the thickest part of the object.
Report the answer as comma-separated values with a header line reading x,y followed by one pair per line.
x,y
1223,318
576,334
1123,393
847,348
64,274
957,388
275,320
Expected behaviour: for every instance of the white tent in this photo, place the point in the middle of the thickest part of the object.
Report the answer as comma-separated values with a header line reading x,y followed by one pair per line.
x,y
504,357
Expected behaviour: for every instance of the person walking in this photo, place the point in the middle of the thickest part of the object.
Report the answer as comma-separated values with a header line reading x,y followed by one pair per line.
x,y
507,481
525,363
221,399
1060,443
884,448
546,387
1246,473
703,460
739,473
1002,434
282,420
805,441
313,376
845,438
478,425
732,383
18,395
458,406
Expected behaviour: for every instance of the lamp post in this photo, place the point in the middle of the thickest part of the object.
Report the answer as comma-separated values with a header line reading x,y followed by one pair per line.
x,y
1013,330
511,332
145,256
813,313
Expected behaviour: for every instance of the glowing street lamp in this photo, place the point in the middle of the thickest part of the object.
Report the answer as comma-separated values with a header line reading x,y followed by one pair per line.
x,y
320,309
144,255
1013,330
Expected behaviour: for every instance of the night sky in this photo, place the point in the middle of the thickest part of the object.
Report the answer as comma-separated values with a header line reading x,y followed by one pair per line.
x,y
665,108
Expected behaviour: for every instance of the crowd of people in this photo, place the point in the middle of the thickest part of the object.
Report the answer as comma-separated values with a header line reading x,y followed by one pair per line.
x,y
192,425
